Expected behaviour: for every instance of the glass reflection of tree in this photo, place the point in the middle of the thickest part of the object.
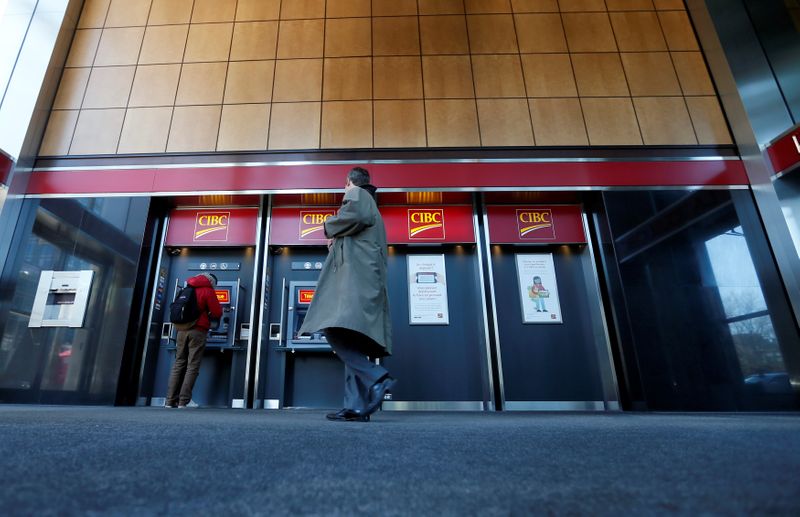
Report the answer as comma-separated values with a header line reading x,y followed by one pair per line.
x,y
746,313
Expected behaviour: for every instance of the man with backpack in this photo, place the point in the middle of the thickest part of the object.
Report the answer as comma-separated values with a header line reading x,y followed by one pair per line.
x,y
190,314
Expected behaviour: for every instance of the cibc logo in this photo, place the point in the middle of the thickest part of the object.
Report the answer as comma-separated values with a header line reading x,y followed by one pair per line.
x,y
426,224
211,226
312,223
535,224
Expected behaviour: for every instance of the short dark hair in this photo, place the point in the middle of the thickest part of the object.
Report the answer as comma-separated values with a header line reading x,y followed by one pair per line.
x,y
212,275
358,176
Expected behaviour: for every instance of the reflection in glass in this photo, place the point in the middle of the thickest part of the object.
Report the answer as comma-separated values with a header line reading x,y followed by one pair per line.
x,y
78,365
787,188
745,308
706,329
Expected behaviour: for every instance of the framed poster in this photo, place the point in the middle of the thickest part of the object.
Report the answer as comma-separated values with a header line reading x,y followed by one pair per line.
x,y
538,291
427,290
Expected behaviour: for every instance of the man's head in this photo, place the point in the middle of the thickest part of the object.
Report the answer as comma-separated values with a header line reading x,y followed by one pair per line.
x,y
357,177
211,278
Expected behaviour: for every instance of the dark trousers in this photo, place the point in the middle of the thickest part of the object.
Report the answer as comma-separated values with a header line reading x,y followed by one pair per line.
x,y
359,372
188,356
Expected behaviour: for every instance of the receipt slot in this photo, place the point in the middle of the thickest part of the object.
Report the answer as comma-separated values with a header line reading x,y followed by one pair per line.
x,y
61,299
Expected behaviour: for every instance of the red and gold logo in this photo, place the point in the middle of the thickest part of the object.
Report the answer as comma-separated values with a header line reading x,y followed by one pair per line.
x,y
211,226
306,295
425,224
535,224
312,223
223,295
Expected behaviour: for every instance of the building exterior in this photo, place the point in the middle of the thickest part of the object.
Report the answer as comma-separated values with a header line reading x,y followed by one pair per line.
x,y
591,204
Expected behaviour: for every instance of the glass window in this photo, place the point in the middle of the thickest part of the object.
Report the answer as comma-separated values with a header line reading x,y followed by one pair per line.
x,y
78,365
745,308
777,23
787,188
705,319
15,16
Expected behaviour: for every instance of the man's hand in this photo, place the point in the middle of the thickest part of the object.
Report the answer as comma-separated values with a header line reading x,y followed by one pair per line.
x,y
330,243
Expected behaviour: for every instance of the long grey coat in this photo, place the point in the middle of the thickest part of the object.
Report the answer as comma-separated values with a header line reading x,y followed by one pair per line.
x,y
351,292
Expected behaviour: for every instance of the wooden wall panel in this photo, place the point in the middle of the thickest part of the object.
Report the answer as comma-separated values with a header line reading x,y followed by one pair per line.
x,y
149,76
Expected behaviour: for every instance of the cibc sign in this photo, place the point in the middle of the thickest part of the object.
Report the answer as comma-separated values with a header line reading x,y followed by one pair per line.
x,y
212,227
535,224
312,224
426,224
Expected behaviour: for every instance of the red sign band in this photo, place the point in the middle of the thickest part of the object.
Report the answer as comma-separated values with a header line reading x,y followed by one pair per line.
x,y
533,224
784,153
229,227
404,225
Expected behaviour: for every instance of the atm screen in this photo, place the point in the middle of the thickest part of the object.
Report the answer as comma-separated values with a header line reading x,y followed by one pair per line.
x,y
223,295
305,295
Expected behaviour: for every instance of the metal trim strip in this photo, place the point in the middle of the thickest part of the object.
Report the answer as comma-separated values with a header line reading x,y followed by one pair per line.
x,y
254,329
152,304
556,405
493,296
271,404
484,309
468,177
297,163
603,311
262,298
402,405
556,188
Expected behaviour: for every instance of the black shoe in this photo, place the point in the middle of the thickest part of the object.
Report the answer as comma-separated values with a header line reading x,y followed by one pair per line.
x,y
376,393
348,415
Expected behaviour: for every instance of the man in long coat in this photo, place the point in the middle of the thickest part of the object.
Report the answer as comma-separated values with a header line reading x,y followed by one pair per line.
x,y
350,304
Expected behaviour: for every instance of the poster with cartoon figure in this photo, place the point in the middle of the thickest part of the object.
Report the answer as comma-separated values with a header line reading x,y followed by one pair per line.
x,y
538,290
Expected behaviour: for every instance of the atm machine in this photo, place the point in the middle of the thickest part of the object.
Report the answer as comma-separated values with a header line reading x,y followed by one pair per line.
x,y
224,359
300,296
296,370
223,332
187,251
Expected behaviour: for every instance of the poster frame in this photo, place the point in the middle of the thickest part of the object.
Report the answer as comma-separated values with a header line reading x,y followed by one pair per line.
x,y
446,321
521,290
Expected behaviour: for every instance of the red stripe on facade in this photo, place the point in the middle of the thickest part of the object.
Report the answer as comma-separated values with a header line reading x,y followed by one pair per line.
x,y
5,168
401,176
784,153
136,181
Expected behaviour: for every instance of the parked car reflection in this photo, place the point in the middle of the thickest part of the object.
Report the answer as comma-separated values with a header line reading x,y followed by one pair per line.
x,y
773,383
